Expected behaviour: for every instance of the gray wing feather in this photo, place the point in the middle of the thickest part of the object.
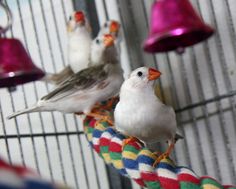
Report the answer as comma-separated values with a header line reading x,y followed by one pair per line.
x,y
85,79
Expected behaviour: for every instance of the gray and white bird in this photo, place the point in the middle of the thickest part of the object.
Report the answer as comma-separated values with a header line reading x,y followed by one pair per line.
x,y
84,89
112,27
82,51
140,114
79,48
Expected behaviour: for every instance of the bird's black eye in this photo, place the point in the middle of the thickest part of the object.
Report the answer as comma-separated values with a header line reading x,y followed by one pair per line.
x,y
139,74
97,41
70,18
105,25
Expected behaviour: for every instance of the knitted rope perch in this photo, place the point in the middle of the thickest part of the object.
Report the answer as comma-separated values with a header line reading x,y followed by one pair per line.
x,y
135,161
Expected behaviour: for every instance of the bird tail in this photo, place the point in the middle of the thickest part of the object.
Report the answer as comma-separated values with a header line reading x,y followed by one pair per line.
x,y
27,110
49,78
58,78
178,136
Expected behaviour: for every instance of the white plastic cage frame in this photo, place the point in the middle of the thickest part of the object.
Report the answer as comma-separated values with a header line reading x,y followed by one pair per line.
x,y
200,85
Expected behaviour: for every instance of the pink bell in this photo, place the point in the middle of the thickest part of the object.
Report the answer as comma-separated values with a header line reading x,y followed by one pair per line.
x,y
175,25
16,67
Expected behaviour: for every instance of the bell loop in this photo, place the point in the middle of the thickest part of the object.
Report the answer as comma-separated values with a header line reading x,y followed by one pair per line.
x,y
3,29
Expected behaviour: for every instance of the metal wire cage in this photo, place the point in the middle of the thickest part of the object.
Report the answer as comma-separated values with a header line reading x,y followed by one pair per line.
x,y
200,85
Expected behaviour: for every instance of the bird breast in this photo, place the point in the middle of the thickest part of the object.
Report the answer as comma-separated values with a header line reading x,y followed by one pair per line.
x,y
149,122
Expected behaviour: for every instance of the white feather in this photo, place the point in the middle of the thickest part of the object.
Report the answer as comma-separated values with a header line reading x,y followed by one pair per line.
x,y
141,114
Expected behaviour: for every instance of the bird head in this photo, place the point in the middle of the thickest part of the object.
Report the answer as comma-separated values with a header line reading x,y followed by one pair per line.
x,y
110,27
99,45
108,40
114,28
77,19
142,77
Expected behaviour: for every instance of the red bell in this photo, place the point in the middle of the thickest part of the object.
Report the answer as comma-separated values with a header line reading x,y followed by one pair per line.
x,y
175,25
16,67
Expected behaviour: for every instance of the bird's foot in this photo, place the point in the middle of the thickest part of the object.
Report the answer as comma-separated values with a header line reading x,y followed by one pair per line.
x,y
128,140
159,158
108,104
164,155
102,117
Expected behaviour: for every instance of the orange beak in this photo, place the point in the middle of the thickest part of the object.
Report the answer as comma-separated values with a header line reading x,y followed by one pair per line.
x,y
153,74
108,40
79,16
114,27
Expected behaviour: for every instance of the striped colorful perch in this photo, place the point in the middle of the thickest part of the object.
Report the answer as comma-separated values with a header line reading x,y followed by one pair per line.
x,y
18,177
135,161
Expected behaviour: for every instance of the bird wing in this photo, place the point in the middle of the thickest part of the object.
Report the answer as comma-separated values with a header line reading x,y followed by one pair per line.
x,y
83,80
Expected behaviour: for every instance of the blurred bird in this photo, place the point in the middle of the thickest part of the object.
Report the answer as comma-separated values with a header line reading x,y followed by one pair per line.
x,y
77,60
79,37
112,27
79,46
82,90
140,114
97,49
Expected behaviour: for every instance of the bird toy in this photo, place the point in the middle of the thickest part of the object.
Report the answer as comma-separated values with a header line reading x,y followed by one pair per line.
x,y
136,161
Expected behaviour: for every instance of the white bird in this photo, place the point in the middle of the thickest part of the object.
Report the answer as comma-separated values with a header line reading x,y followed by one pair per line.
x,y
84,89
79,48
112,27
140,114
96,55
79,41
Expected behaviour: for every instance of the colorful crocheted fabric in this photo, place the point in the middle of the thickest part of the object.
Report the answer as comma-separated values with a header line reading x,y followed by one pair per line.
x,y
18,177
136,161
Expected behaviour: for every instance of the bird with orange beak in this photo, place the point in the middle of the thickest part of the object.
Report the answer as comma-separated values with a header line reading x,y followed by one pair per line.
x,y
112,27
141,115
79,45
79,41
80,92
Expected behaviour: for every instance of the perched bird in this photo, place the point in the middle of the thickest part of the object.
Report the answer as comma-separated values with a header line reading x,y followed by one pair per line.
x,y
112,27
97,49
82,52
79,41
140,114
85,88
79,47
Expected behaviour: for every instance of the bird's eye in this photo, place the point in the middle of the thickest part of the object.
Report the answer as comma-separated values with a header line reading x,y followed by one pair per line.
x,y
139,74
97,41
105,25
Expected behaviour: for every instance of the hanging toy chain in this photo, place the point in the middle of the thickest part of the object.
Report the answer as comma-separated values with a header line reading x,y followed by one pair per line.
x,y
3,29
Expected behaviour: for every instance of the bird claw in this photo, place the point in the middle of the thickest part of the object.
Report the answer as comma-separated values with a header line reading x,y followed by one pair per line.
x,y
128,140
108,120
159,158
109,104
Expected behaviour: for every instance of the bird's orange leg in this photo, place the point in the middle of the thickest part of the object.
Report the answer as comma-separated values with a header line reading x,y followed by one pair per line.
x,y
164,155
128,140
108,105
102,117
